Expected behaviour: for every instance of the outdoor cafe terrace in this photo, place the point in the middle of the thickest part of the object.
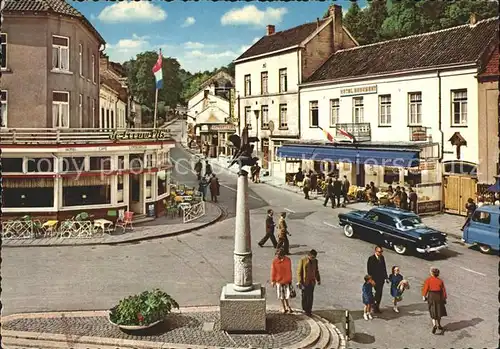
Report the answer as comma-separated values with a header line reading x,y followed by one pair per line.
x,y
39,136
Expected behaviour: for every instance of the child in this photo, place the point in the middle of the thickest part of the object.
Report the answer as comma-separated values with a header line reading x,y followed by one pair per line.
x,y
367,290
396,280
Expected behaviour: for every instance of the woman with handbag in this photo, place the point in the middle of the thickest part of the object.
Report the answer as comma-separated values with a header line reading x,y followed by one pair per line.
x,y
281,278
434,293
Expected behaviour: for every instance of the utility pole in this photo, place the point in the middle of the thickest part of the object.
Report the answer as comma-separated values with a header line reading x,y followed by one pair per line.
x,y
239,117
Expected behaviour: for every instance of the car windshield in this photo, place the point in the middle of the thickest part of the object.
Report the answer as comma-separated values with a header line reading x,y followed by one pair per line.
x,y
412,222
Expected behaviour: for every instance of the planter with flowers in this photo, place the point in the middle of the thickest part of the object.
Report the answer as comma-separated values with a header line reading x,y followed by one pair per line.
x,y
142,311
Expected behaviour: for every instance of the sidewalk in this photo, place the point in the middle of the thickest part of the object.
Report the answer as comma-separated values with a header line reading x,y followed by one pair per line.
x,y
160,227
195,327
446,223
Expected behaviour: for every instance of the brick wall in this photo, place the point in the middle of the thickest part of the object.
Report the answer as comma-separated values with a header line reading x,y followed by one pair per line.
x,y
317,51
492,66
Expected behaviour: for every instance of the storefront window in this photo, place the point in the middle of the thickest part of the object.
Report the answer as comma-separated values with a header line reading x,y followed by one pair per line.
x,y
121,162
120,189
27,192
136,161
40,165
76,164
100,163
412,178
12,165
149,194
92,190
391,175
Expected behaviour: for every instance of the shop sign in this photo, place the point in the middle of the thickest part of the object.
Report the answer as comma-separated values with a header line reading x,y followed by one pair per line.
x,y
418,134
139,135
232,102
428,166
223,127
137,147
358,90
428,207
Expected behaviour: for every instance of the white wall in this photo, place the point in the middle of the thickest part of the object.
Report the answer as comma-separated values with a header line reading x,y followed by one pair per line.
x,y
273,99
121,108
399,88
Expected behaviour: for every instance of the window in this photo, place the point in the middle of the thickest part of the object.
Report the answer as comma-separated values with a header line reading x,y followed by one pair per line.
x,y
93,190
80,109
415,108
248,117
100,163
384,219
38,193
107,122
60,109
74,164
149,160
283,80
481,217
149,183
101,124
93,69
248,85
135,161
12,165
459,107
3,107
80,59
91,122
283,116
358,110
384,110
313,114
3,41
112,125
162,182
265,117
60,52
121,162
263,83
40,165
334,111
119,194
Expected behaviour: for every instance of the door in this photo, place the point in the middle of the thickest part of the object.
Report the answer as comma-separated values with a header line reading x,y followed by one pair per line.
x,y
135,192
265,151
457,190
360,174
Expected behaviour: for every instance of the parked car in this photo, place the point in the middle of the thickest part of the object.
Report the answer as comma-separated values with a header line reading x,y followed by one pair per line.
x,y
399,229
483,229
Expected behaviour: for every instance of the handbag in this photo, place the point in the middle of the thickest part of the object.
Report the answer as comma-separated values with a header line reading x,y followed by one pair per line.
x,y
293,294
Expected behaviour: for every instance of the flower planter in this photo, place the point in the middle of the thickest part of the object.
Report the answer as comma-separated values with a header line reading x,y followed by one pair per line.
x,y
134,328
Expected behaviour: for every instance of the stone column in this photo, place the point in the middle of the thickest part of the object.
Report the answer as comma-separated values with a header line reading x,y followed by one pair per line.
x,y
243,281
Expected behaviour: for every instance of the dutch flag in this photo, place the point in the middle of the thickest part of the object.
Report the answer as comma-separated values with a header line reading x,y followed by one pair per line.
x,y
157,71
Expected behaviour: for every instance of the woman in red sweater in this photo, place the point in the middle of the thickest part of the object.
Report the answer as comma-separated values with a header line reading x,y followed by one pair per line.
x,y
434,293
281,277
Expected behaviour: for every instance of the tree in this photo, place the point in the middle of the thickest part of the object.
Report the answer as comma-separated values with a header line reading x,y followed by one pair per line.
x,y
403,20
355,21
375,15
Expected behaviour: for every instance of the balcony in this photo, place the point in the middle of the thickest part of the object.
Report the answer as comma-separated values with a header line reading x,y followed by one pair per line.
x,y
35,136
361,131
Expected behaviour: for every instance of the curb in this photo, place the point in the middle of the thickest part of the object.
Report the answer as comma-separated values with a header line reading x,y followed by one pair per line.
x,y
21,337
132,239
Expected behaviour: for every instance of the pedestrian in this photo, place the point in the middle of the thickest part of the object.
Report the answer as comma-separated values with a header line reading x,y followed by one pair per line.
x,y
202,188
314,181
434,293
396,197
377,269
337,190
281,278
214,187
257,173
404,199
283,234
308,276
470,206
373,193
198,167
367,295
306,186
269,230
413,198
299,176
345,190
208,169
329,193
397,286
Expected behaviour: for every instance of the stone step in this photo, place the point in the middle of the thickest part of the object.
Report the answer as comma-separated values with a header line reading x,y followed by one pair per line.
x,y
323,339
336,338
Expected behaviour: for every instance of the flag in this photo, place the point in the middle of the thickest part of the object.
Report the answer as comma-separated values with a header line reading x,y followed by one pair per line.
x,y
157,71
346,134
327,134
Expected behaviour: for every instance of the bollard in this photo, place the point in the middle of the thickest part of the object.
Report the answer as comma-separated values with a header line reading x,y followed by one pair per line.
x,y
347,329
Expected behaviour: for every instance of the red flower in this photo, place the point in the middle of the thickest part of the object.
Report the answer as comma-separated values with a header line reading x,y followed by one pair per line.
x,y
140,317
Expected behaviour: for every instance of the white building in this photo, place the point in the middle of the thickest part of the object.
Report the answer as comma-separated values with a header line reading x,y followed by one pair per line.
x,y
268,75
406,95
113,95
210,115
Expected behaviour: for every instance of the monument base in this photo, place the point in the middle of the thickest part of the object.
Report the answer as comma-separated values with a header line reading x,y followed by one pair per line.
x,y
243,312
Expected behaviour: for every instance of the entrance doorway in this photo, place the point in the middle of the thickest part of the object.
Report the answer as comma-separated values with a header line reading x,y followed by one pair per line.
x,y
136,195
265,152
457,190
360,174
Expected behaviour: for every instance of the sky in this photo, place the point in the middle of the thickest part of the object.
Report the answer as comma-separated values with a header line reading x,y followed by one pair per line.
x,y
202,35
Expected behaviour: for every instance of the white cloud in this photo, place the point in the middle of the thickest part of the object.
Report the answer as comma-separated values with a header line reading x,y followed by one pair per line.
x,y
244,48
255,40
193,45
132,11
213,55
197,60
126,49
251,15
189,22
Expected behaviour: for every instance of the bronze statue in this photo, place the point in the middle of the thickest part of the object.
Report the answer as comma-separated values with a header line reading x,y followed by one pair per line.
x,y
243,155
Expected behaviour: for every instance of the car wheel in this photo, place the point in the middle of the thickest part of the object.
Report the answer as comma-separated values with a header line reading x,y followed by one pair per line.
x,y
485,248
400,249
348,231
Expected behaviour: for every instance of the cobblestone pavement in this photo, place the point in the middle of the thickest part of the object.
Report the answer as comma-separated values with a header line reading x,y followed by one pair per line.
x,y
181,328
151,230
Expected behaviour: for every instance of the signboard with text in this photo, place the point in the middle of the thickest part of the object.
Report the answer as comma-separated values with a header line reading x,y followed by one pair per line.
x,y
362,90
232,101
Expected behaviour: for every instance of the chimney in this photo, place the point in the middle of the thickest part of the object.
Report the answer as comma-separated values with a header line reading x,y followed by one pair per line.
x,y
270,29
335,12
472,19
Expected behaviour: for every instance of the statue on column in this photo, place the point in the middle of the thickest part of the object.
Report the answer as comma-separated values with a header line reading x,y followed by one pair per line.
x,y
244,150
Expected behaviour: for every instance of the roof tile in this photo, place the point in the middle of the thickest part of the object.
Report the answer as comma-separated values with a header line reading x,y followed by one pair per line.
x,y
457,45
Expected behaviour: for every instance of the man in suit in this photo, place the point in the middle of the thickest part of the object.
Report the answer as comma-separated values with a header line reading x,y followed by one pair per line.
x,y
329,193
308,277
269,230
345,189
378,271
337,190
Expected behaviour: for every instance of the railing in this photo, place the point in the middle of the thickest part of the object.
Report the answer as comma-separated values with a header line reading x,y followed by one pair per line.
x,y
81,135
18,229
193,212
32,229
361,131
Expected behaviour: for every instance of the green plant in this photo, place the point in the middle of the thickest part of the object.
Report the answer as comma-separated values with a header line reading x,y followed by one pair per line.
x,y
143,309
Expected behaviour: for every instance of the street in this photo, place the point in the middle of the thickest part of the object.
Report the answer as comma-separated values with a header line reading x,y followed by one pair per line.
x,y
194,267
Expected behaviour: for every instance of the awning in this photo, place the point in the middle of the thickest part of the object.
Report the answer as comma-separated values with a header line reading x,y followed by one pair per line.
x,y
379,157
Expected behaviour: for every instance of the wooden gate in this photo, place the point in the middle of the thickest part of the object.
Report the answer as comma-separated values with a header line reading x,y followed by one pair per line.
x,y
457,189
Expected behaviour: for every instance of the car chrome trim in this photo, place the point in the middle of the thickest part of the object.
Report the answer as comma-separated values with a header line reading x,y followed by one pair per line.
x,y
431,249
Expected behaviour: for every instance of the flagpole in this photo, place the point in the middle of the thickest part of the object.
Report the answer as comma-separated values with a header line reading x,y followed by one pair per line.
x,y
156,109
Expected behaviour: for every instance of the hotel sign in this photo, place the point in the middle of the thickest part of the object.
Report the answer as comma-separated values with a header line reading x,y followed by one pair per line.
x,y
223,127
358,90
